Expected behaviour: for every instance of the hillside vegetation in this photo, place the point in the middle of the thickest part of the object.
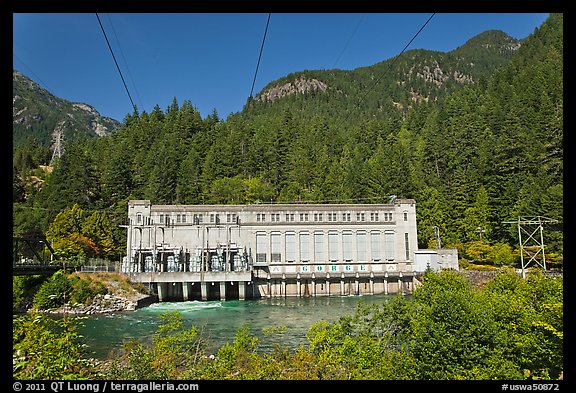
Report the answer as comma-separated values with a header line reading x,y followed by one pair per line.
x,y
510,329
475,136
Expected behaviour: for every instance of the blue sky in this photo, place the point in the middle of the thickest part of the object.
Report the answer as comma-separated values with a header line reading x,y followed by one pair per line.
x,y
211,59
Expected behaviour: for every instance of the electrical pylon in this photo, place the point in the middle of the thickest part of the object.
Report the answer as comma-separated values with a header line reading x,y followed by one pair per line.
x,y
532,245
57,141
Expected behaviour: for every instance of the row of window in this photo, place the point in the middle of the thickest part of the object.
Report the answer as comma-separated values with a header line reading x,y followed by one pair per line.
x,y
321,247
214,218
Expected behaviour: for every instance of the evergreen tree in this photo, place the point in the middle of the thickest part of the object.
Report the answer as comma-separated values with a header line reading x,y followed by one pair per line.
x,y
430,214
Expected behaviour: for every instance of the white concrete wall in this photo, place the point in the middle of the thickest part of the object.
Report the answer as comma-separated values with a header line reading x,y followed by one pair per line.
x,y
151,234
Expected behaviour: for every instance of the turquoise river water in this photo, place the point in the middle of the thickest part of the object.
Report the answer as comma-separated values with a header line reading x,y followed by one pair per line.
x,y
220,320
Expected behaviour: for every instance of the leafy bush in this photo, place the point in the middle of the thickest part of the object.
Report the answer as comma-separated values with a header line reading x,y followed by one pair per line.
x,y
23,290
84,289
62,288
175,349
54,292
46,348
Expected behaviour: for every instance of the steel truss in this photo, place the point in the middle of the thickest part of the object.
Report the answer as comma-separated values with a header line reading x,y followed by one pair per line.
x,y
532,244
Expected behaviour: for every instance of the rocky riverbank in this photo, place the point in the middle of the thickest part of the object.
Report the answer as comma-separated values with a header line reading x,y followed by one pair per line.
x,y
101,304
117,294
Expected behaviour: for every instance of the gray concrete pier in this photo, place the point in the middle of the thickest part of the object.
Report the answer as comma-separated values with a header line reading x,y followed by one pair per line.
x,y
185,286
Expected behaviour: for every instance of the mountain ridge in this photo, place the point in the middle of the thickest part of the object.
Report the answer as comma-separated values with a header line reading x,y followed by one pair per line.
x,y
421,74
40,116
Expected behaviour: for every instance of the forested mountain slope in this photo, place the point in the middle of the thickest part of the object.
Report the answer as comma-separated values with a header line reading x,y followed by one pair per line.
x,y
475,145
388,89
39,118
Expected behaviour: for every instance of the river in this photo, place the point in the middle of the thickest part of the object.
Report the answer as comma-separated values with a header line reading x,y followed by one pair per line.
x,y
220,320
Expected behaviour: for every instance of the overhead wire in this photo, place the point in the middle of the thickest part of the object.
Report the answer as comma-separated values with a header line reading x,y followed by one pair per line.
x,y
125,61
348,42
32,72
109,210
260,56
330,201
390,65
117,66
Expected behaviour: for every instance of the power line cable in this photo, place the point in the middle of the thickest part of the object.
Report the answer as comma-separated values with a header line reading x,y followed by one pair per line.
x,y
110,210
32,72
125,62
348,42
390,64
260,56
330,201
114,57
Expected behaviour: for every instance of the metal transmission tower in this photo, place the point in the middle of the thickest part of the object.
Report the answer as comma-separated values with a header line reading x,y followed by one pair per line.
x,y
532,245
57,141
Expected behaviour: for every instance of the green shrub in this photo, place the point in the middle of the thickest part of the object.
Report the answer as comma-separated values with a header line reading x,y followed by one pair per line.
x,y
23,290
84,290
53,293
49,348
73,289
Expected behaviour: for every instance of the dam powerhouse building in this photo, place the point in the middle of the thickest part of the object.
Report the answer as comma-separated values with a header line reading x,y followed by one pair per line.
x,y
209,252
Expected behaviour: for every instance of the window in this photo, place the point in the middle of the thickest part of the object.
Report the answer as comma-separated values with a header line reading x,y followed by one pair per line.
x,y
211,217
407,245
260,217
389,245
184,217
139,218
161,218
347,246
375,245
198,218
405,216
317,216
304,247
345,216
361,246
289,217
275,252
373,216
260,247
178,220
360,217
318,247
333,246
303,216
290,246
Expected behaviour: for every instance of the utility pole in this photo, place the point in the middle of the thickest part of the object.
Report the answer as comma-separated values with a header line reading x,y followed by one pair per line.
x,y
437,236
480,230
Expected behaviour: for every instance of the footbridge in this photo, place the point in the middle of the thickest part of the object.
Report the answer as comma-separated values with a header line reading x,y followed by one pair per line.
x,y
33,256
